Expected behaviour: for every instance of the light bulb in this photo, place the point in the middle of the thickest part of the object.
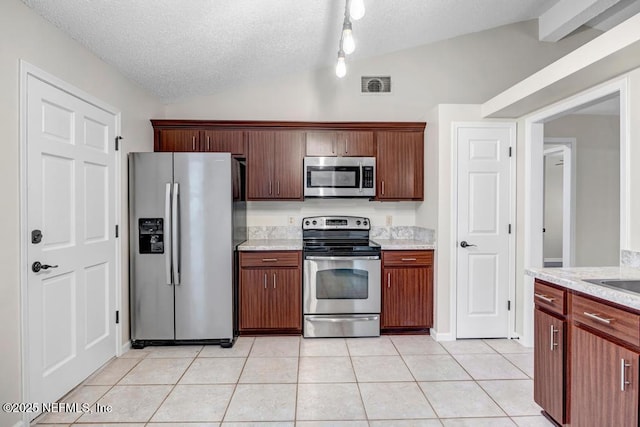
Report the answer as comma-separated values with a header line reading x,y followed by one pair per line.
x,y
356,9
341,66
348,42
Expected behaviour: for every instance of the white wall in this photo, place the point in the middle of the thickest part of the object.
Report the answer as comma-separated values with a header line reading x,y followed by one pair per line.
x,y
597,185
24,35
467,69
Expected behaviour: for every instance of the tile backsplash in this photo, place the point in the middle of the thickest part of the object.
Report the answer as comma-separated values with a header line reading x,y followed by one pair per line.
x,y
629,258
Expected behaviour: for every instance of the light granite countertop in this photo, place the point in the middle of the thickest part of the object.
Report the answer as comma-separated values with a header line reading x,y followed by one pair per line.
x,y
573,278
271,245
404,244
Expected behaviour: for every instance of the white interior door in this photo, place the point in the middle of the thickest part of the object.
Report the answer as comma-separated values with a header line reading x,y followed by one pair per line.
x,y
71,200
483,227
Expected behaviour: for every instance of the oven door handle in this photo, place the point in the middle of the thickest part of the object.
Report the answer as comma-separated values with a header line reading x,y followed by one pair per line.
x,y
342,258
342,319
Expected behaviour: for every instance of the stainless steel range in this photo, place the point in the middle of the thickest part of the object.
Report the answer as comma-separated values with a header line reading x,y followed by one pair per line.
x,y
341,285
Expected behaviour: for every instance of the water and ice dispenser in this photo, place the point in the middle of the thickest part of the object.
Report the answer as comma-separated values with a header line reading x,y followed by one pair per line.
x,y
151,235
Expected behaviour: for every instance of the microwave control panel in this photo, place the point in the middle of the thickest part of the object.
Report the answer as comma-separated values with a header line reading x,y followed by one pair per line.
x,y
367,177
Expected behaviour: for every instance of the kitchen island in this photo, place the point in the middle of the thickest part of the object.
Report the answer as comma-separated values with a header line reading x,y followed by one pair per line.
x,y
587,346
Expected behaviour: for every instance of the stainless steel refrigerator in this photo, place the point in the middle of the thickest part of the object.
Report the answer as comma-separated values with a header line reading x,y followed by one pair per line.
x,y
187,214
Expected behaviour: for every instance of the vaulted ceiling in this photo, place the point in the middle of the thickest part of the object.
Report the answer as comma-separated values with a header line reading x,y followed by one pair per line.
x,y
182,48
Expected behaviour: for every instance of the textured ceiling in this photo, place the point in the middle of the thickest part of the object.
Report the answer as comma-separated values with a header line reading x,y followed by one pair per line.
x,y
178,49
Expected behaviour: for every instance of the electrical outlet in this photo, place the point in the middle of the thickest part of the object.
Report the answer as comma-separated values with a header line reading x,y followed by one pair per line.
x,y
389,220
292,220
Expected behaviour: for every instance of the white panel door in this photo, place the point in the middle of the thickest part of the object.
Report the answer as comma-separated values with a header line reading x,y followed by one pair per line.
x,y
483,199
71,200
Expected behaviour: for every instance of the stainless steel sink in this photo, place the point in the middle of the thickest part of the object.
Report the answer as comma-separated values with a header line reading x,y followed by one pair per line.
x,y
629,285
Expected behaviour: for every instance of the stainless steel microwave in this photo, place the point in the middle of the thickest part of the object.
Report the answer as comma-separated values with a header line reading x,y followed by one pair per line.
x,y
339,176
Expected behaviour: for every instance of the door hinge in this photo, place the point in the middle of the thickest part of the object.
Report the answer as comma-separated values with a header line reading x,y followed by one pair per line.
x,y
510,151
117,231
117,316
118,138
509,228
508,305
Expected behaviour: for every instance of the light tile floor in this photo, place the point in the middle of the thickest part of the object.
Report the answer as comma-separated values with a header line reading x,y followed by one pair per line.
x,y
399,381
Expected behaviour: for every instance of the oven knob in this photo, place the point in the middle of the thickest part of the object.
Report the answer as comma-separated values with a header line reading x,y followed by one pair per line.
x,y
315,222
364,223
358,222
307,222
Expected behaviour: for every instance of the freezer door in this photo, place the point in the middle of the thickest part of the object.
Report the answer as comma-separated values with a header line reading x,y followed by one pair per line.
x,y
150,290
204,295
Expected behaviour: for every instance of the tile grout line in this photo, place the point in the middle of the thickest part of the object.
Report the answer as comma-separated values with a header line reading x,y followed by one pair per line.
x,y
235,386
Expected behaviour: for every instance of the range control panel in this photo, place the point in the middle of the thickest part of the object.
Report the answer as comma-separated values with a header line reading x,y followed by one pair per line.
x,y
151,235
336,223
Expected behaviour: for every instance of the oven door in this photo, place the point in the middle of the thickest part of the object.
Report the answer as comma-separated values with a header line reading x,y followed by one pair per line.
x,y
341,284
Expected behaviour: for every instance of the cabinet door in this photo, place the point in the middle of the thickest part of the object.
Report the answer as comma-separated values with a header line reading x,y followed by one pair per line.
x,y
179,140
406,298
285,307
254,298
321,143
400,165
224,141
260,145
288,157
604,382
549,364
356,144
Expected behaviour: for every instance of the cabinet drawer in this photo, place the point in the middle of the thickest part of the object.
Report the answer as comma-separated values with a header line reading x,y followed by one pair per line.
x,y
610,320
549,297
407,258
270,259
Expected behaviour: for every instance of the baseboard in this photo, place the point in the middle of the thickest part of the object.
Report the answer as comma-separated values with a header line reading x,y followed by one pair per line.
x,y
124,348
442,336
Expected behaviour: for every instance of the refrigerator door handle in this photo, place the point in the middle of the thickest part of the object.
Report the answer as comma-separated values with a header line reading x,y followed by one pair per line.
x,y
175,233
167,225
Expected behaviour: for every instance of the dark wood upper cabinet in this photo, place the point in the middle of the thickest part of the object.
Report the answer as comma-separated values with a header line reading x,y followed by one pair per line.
x,y
275,151
223,141
400,164
260,152
288,157
274,165
178,140
340,143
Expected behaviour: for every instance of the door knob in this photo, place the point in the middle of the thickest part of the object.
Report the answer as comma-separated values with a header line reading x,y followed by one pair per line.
x,y
464,244
37,266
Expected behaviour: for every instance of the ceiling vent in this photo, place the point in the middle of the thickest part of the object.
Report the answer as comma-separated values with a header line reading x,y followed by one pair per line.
x,y
376,84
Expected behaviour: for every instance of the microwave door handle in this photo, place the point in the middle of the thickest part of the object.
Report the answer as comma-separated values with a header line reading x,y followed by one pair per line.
x,y
361,176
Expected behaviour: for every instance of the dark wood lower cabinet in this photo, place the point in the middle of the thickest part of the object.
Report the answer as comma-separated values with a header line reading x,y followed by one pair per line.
x,y
604,385
407,290
270,297
549,364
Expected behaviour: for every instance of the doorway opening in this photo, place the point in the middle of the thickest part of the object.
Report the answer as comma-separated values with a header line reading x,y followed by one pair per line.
x,y
537,127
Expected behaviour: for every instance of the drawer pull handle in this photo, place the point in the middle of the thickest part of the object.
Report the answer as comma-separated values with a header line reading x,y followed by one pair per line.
x,y
545,298
623,378
265,280
595,316
269,259
409,259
